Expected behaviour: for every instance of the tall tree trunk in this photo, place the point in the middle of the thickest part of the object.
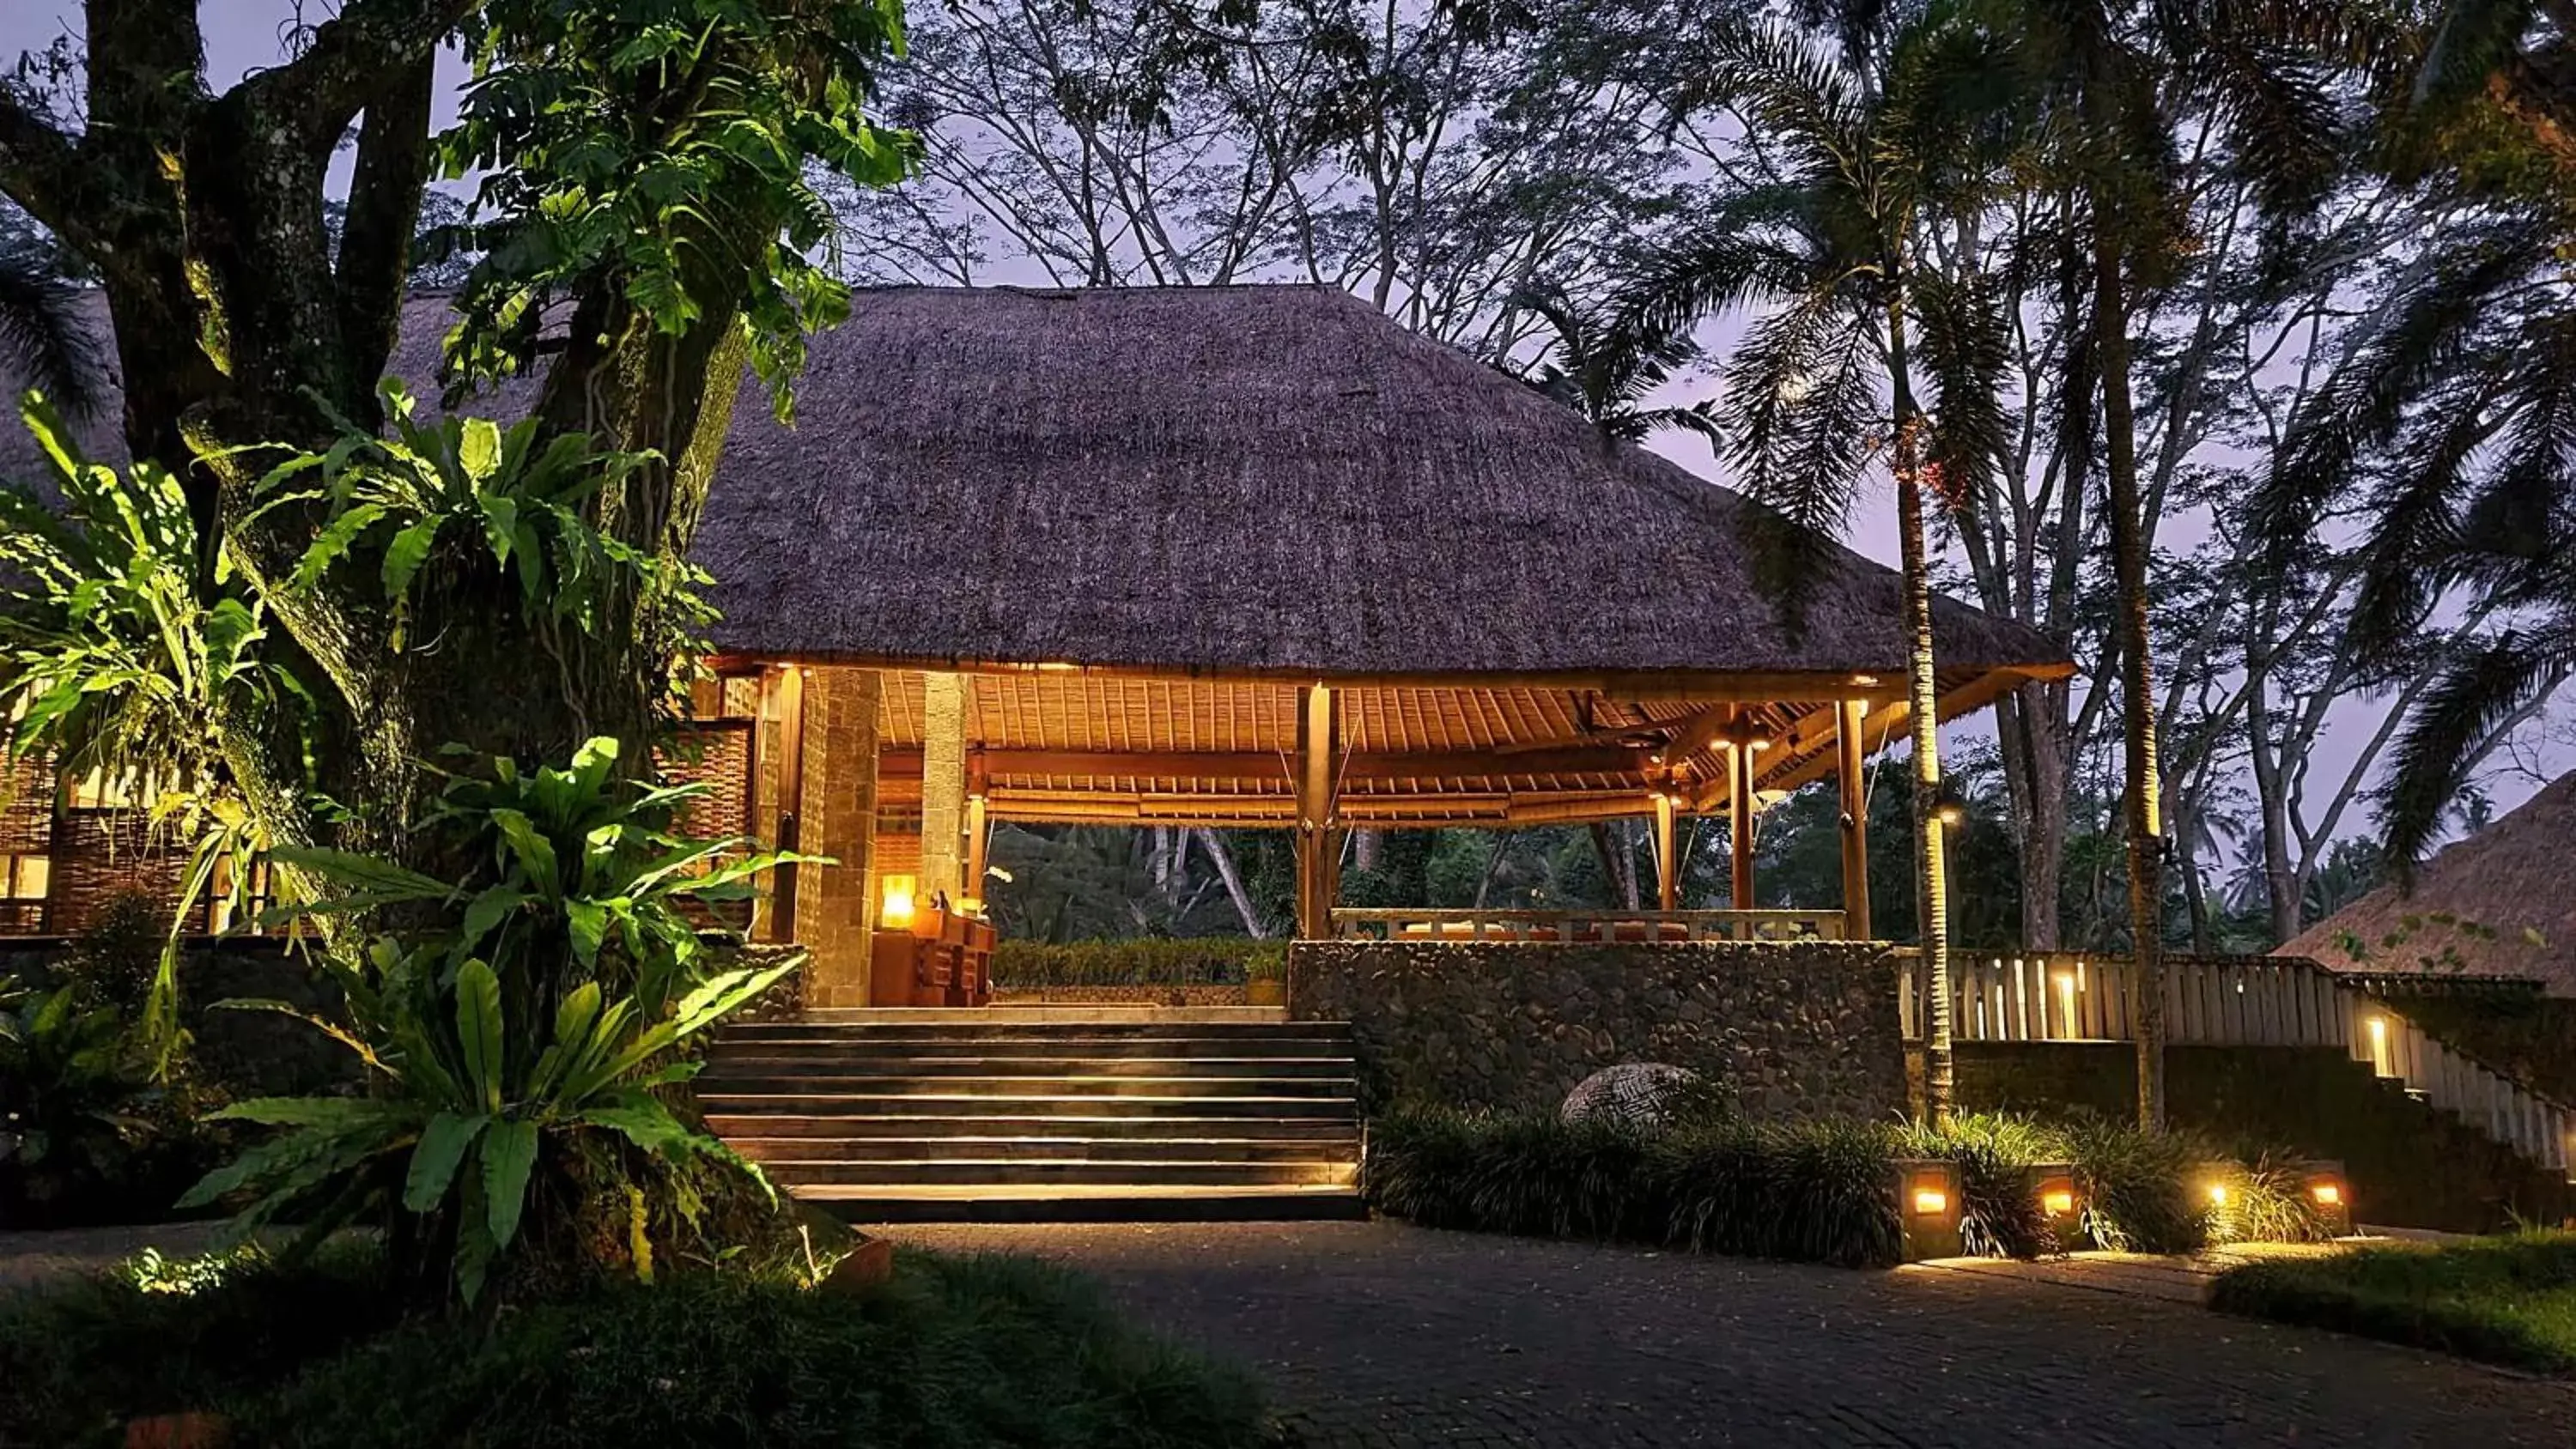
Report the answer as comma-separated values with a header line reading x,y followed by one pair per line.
x,y
1234,891
2142,797
1931,883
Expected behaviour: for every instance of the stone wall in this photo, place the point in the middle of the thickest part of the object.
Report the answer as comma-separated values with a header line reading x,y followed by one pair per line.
x,y
1798,1028
2411,1166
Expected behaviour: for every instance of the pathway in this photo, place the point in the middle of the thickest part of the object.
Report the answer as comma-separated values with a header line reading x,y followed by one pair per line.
x,y
1378,1336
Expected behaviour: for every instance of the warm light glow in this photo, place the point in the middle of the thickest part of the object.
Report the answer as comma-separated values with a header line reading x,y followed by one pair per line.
x,y
2218,1194
895,910
1949,813
1931,1201
2066,1001
970,906
2057,1204
1057,666
2328,1194
1864,680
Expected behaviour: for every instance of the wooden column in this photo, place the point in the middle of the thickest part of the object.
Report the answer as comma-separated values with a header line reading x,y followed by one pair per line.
x,y
1319,842
979,839
1668,864
943,786
1848,748
1739,819
777,785
836,816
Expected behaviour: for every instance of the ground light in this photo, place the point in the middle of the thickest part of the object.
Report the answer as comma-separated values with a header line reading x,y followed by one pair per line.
x,y
2052,1186
2329,1196
1927,1202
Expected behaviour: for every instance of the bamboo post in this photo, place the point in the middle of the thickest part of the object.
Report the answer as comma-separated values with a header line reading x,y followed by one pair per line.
x,y
1848,746
1668,866
943,786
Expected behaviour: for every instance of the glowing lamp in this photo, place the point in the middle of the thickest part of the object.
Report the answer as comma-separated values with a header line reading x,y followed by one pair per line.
x,y
1864,680
1926,1197
2327,1194
895,902
2218,1194
1931,1201
2057,1204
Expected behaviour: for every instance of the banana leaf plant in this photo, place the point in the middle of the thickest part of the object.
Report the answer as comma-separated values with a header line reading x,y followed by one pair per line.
x,y
529,1018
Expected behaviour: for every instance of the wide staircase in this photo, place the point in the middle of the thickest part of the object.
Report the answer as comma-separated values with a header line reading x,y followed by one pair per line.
x,y
1002,1115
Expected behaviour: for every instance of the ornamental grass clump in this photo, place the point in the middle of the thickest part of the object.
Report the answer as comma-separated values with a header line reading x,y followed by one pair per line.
x,y
2138,1187
1527,1173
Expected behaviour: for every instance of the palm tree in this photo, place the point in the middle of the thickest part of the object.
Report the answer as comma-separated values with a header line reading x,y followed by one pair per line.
x,y
2111,83
2449,438
1600,366
1863,352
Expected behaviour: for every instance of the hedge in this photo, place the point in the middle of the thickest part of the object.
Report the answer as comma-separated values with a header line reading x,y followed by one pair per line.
x,y
1815,1191
1152,961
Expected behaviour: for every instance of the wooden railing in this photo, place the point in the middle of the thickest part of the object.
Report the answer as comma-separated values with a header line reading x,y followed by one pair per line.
x,y
2251,1001
1418,924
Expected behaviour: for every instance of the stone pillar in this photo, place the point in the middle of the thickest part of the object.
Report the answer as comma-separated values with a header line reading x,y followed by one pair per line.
x,y
837,817
943,787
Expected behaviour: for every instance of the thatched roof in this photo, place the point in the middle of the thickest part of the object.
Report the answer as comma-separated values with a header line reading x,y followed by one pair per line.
x,y
2497,904
1268,480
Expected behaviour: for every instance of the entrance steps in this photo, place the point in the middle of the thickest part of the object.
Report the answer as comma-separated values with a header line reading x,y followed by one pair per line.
x,y
1086,1113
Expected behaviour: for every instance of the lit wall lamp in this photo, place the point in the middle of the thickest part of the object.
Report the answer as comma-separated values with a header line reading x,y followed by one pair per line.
x,y
1927,1207
895,902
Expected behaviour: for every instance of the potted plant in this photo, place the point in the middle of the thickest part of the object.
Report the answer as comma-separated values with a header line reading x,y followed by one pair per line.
x,y
1265,981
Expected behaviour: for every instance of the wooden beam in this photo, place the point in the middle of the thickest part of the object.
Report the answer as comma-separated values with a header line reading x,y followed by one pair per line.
x,y
1753,686
1668,865
1257,767
1850,752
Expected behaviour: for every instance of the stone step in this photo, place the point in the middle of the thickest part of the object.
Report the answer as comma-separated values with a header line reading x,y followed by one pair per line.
x,y
1237,1126
732,1064
1102,1034
1045,1172
1051,1014
830,1084
804,1102
1073,1203
1085,1044
1343,1149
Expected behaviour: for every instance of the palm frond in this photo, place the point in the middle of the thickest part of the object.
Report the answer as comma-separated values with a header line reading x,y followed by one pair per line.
x,y
2435,754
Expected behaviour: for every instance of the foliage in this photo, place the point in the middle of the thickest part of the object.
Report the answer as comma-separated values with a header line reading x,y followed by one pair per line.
x,y
1998,1215
523,495
2508,1300
109,655
2140,1189
1147,961
87,1133
959,1352
517,1024
629,148
1814,1191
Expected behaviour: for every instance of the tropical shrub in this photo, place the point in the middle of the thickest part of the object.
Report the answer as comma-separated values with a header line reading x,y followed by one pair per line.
x,y
1154,961
1814,1191
88,1132
954,1353
522,1028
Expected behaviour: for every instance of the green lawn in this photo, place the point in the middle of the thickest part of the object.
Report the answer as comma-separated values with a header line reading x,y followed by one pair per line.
x,y
2507,1300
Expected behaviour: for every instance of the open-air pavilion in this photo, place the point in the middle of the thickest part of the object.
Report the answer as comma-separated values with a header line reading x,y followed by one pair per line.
x,y
1257,556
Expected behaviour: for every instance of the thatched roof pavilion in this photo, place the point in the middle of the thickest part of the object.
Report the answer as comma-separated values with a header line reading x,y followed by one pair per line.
x,y
1161,540
2495,905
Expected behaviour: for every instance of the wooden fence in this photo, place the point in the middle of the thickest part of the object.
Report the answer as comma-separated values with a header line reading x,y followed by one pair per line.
x,y
2248,1001
1418,924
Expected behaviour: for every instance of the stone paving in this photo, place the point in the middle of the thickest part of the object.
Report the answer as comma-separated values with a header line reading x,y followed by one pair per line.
x,y
1379,1336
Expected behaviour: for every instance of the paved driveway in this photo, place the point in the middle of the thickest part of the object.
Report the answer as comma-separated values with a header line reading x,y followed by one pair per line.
x,y
1375,1336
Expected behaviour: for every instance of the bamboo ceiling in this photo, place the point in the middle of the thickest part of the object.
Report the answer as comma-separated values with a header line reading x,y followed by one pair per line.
x,y
1068,746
